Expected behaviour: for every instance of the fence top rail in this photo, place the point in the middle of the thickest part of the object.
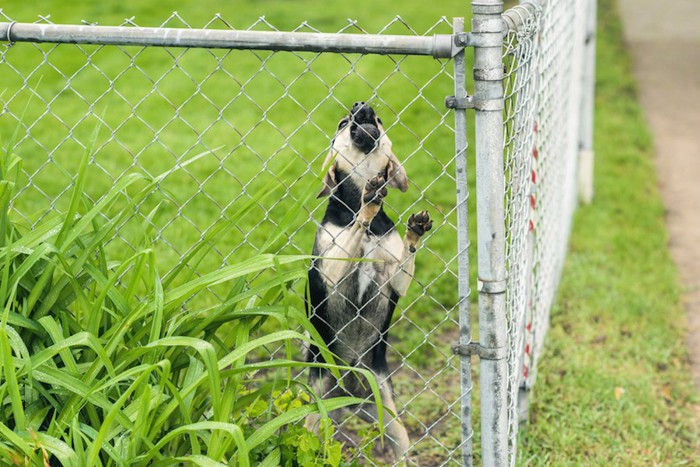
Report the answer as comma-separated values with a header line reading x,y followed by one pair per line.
x,y
437,45
519,16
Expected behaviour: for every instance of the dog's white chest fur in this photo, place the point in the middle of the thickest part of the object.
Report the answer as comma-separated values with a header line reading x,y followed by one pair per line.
x,y
370,272
382,253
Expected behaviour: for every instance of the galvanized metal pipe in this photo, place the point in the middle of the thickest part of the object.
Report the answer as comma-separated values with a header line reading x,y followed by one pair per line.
x,y
464,290
516,16
438,46
490,192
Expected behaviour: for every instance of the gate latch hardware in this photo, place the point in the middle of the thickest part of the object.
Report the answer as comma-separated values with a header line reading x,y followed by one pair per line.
x,y
468,102
452,102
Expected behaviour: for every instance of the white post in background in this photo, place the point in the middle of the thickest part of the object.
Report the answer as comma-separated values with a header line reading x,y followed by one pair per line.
x,y
586,154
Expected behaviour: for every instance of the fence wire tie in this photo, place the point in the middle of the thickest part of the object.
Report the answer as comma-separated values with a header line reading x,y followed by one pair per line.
x,y
8,33
484,353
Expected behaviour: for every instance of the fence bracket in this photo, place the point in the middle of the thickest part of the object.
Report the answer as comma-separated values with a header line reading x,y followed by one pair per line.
x,y
468,39
491,287
484,353
468,102
452,102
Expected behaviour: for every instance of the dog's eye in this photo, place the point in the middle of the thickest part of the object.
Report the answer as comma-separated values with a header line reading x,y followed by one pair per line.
x,y
343,123
379,121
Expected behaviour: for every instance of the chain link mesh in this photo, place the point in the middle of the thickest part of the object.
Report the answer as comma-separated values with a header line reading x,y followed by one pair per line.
x,y
543,60
520,117
262,123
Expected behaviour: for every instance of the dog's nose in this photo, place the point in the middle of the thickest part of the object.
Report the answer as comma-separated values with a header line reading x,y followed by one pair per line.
x,y
357,107
362,113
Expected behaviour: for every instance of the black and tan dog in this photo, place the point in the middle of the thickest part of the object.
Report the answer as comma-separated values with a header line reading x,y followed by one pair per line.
x,y
352,302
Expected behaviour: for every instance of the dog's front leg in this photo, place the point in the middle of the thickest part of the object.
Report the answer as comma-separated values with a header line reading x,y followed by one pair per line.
x,y
417,225
346,244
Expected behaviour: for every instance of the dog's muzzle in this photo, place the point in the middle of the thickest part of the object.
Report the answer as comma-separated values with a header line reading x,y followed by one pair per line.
x,y
363,129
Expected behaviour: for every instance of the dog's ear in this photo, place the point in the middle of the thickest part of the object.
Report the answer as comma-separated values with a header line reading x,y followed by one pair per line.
x,y
396,174
329,180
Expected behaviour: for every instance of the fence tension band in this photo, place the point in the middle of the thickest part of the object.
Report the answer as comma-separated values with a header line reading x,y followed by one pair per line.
x,y
484,353
491,287
468,102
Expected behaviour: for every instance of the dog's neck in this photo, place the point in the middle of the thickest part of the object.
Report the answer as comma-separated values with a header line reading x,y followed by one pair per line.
x,y
345,202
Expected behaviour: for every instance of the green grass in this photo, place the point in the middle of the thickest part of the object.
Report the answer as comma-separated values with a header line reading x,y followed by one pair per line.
x,y
618,322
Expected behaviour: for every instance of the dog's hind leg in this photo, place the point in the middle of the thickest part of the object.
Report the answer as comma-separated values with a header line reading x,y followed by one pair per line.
x,y
324,387
395,433
417,225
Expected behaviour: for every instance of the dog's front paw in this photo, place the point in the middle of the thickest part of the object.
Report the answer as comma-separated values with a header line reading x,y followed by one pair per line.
x,y
372,196
418,225
375,190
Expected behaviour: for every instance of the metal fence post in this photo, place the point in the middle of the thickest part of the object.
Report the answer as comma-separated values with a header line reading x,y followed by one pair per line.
x,y
490,190
586,153
460,113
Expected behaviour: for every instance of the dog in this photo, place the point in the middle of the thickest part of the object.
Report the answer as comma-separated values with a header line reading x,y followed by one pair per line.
x,y
351,302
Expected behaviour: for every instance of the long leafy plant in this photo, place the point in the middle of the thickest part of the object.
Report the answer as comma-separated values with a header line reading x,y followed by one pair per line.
x,y
106,362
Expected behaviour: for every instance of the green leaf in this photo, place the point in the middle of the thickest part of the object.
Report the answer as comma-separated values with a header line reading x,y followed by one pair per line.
x,y
55,446
294,415
8,367
272,459
114,412
206,350
78,185
178,295
79,339
200,460
16,440
232,429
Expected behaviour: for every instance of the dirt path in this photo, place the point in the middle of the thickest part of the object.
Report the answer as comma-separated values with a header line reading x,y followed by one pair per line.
x,y
664,38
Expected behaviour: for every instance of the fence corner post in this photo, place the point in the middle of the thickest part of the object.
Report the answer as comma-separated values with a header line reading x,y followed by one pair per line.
x,y
490,192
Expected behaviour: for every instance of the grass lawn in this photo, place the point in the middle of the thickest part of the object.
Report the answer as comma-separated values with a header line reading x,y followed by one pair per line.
x,y
614,385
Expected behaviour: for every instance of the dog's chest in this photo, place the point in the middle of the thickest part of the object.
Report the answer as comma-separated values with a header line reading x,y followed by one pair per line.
x,y
371,273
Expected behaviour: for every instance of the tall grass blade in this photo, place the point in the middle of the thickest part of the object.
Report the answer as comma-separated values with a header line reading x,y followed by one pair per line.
x,y
114,412
206,351
78,185
13,437
8,369
232,429
200,460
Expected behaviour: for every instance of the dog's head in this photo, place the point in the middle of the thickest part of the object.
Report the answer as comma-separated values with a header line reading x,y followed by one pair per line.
x,y
361,150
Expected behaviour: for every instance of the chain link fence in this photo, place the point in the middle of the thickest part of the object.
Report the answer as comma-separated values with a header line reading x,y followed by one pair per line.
x,y
253,126
548,53
246,124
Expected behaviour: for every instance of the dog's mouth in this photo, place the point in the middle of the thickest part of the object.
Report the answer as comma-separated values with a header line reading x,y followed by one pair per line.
x,y
364,127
